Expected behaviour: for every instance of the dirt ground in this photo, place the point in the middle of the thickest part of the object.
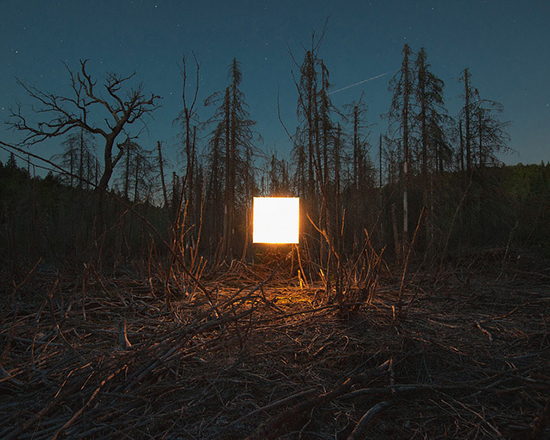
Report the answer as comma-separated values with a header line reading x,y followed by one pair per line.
x,y
94,357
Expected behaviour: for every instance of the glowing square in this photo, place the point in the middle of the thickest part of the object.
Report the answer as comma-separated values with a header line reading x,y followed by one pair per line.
x,y
276,220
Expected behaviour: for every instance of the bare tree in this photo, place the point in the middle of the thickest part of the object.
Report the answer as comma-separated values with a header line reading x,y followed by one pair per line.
x,y
138,174
161,164
485,134
362,168
315,140
466,116
401,116
104,110
306,138
430,119
188,120
231,154
490,131
78,156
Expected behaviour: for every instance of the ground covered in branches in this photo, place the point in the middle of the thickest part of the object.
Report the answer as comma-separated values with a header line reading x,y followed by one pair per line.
x,y
468,357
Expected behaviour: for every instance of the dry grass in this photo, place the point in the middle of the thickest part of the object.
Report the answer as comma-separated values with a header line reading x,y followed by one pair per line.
x,y
470,359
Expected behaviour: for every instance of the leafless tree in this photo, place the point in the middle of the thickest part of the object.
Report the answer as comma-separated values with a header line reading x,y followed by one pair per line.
x,y
400,116
104,110
482,132
189,120
78,157
430,119
231,153
466,116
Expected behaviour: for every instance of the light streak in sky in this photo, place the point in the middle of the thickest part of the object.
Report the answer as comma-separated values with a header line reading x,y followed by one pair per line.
x,y
356,84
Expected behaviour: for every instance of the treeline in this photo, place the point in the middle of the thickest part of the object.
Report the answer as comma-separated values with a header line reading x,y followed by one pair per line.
x,y
50,219
432,180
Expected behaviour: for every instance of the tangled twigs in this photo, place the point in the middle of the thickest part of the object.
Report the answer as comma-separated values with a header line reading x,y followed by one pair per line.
x,y
263,361
293,417
264,409
541,422
81,410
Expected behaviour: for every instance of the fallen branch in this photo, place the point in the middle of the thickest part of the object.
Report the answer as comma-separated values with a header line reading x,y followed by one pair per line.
x,y
367,418
81,410
293,417
263,409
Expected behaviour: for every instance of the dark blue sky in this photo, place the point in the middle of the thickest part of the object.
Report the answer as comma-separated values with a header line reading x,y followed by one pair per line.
x,y
504,43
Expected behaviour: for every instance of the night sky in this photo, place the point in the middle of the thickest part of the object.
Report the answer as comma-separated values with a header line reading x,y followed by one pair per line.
x,y
504,43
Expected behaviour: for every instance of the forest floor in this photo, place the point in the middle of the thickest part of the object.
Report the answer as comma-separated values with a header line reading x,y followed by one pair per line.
x,y
467,357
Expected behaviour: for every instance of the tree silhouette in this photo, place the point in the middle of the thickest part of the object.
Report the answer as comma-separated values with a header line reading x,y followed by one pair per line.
x,y
465,122
430,119
490,132
138,174
483,134
401,119
79,158
318,146
189,121
231,153
106,110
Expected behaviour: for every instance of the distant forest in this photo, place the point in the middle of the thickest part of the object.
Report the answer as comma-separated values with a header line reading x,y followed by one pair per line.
x,y
432,185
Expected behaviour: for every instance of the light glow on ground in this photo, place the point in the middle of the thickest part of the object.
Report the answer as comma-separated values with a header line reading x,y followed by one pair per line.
x,y
276,220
